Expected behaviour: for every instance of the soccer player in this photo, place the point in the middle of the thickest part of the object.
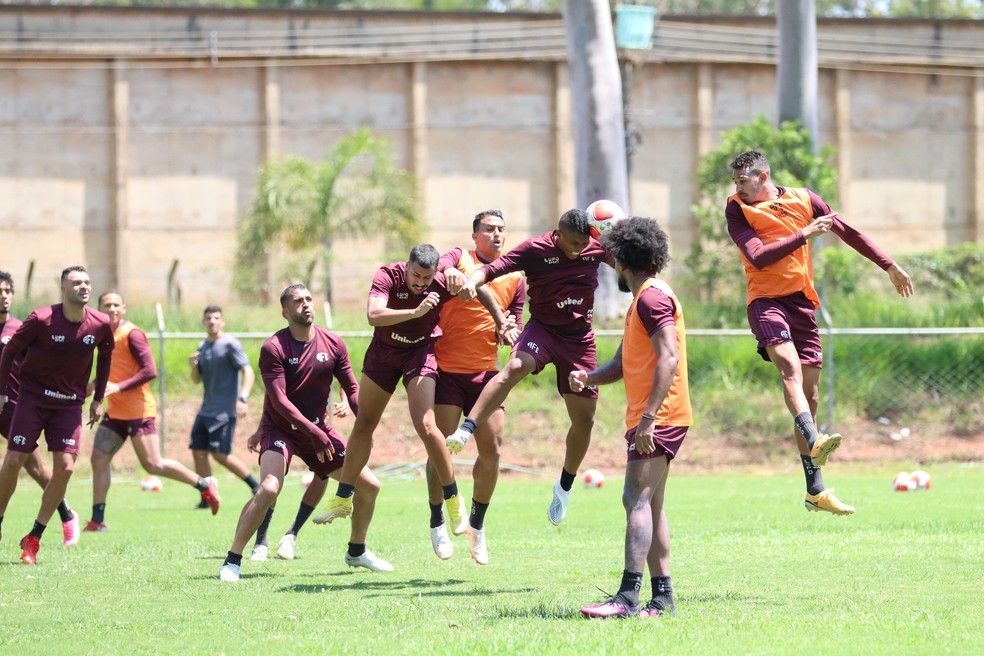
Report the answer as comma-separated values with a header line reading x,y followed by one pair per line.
x,y
131,411
562,274
467,358
403,307
34,465
772,227
297,365
60,340
221,366
652,360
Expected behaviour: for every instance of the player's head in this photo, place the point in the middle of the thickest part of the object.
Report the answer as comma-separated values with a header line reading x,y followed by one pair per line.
x,y
75,285
297,305
421,268
111,304
573,233
6,292
639,246
751,174
213,320
488,232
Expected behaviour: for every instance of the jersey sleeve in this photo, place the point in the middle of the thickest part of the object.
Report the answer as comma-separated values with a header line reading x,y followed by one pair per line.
x,y
655,309
382,284
519,299
26,334
346,377
144,356
104,362
514,260
237,354
851,236
450,259
760,255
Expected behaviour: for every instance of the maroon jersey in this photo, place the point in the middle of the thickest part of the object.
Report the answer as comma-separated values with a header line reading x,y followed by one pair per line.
x,y
7,331
561,290
305,371
390,282
59,356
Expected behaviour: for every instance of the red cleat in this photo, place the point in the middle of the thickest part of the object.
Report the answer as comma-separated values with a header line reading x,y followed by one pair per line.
x,y
30,544
211,495
95,527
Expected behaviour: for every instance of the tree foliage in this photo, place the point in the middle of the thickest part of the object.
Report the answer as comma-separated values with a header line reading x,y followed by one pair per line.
x,y
302,207
714,271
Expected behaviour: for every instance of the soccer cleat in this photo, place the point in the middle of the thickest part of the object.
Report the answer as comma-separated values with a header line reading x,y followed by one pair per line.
x,y
461,527
826,501
260,552
70,530
202,504
558,507
617,606
285,548
336,507
823,447
476,545
30,544
457,441
211,494
95,527
441,542
229,573
368,560
656,609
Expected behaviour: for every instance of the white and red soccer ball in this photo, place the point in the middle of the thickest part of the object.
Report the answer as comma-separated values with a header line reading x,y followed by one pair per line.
x,y
906,482
151,483
602,216
593,478
921,479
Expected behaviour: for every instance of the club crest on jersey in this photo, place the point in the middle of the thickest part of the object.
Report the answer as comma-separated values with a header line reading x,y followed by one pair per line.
x,y
89,339
280,444
322,356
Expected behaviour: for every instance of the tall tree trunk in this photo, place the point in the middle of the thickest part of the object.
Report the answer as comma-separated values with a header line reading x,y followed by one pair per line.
x,y
796,21
599,123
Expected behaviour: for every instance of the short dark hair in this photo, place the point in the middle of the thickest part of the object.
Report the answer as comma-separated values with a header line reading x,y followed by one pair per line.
x,y
285,295
638,244
576,220
107,293
69,269
481,215
425,255
7,278
211,309
752,160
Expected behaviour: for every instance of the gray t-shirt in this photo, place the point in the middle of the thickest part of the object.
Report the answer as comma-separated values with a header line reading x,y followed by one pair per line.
x,y
219,363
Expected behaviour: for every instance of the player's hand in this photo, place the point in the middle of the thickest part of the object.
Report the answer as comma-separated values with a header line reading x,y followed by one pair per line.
x,y
429,303
454,280
241,409
644,443
341,409
578,380
901,280
111,388
467,292
253,442
193,359
819,226
95,413
328,453
508,331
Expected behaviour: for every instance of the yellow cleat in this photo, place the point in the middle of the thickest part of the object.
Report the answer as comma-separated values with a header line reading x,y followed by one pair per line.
x,y
455,507
827,502
336,507
823,447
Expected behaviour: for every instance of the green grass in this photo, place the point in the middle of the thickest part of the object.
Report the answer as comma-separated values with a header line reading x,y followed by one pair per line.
x,y
753,573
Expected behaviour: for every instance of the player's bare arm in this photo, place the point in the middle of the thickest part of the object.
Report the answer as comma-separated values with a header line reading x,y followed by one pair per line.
x,y
664,343
196,375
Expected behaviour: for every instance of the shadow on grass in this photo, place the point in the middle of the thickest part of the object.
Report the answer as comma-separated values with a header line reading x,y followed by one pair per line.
x,y
419,587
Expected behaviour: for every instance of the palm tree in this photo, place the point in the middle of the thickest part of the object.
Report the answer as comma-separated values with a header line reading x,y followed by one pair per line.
x,y
304,206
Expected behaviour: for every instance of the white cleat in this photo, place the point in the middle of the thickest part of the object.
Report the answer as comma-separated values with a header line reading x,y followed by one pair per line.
x,y
457,441
369,560
476,544
462,526
441,542
260,552
229,573
285,548
558,507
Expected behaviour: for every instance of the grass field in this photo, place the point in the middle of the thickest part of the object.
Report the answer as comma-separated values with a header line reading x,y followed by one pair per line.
x,y
753,573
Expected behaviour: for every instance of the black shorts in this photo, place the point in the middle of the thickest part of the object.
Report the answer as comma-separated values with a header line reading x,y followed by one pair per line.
x,y
213,433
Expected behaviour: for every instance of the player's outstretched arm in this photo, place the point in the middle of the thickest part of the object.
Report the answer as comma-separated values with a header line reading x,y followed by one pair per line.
x,y
901,280
609,372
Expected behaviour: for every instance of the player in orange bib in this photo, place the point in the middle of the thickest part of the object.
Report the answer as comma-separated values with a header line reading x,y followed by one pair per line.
x,y
652,360
131,411
467,358
772,227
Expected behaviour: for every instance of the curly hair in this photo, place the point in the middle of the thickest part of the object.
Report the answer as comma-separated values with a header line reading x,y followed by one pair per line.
x,y
7,278
576,220
638,244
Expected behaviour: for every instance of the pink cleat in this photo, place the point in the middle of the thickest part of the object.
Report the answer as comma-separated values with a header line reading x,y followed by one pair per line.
x,y
30,544
617,606
70,530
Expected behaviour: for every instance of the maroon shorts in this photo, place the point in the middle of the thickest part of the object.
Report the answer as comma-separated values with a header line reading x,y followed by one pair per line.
x,y
567,353
666,438
290,444
130,427
6,414
385,365
790,318
461,390
62,427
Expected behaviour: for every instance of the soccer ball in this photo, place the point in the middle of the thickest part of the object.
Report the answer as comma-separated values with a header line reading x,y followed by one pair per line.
x,y
306,479
593,478
903,482
921,479
602,216
151,484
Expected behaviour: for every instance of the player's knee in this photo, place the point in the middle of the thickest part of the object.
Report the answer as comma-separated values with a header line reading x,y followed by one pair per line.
x,y
633,500
153,467
269,490
367,487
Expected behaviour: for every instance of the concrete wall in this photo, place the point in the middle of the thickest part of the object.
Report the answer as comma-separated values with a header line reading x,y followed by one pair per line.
x,y
129,140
